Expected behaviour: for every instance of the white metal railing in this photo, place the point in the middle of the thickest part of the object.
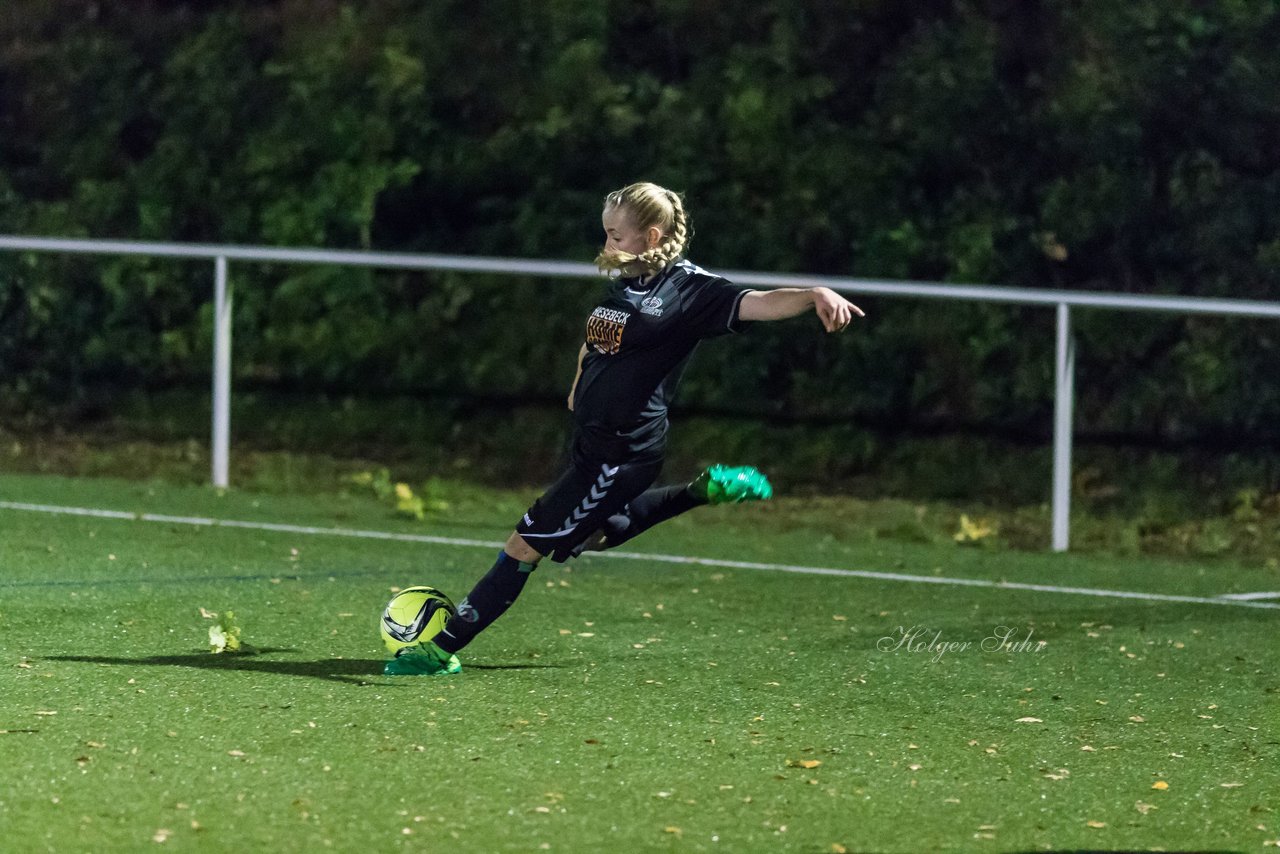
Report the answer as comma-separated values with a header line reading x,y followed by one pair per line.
x,y
1064,301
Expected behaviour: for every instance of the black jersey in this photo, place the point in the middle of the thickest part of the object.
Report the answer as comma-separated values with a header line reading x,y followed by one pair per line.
x,y
639,339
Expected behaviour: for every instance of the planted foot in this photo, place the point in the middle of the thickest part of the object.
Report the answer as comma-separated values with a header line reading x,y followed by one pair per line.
x,y
424,659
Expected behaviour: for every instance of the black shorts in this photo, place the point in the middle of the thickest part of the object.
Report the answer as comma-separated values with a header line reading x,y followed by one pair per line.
x,y
578,504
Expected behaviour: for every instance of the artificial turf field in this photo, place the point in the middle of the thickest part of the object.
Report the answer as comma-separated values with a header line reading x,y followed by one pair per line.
x,y
623,704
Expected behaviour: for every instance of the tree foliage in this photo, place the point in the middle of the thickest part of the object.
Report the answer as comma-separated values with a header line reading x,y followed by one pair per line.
x,y
1090,145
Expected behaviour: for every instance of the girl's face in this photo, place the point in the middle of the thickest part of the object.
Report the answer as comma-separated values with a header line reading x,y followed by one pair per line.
x,y
622,235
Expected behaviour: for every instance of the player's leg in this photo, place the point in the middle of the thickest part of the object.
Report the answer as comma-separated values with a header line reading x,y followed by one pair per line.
x,y
488,600
714,485
557,523
491,596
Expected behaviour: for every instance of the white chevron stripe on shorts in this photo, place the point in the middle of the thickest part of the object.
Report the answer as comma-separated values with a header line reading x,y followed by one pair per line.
x,y
599,490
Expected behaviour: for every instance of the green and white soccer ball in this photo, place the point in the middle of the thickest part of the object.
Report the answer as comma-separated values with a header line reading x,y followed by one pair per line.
x,y
414,614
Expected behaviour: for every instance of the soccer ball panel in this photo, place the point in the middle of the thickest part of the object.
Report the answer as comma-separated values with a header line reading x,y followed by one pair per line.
x,y
414,614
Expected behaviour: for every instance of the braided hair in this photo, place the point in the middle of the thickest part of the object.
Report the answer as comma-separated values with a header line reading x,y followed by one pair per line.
x,y
648,205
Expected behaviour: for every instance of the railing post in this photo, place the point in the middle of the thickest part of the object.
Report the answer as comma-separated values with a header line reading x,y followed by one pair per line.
x,y
1064,398
221,373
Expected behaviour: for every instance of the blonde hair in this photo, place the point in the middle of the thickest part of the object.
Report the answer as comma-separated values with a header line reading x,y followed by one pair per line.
x,y
648,205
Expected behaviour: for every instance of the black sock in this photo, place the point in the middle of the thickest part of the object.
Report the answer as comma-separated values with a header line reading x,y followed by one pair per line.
x,y
486,602
647,510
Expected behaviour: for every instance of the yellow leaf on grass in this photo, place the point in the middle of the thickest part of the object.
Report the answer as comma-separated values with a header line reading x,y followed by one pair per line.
x,y
973,530
1095,824
1160,784
803,763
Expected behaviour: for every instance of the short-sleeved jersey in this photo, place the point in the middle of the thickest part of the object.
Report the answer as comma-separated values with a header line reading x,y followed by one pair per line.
x,y
639,339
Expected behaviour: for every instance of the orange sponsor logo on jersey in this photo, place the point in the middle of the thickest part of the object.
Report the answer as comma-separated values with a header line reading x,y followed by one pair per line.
x,y
604,330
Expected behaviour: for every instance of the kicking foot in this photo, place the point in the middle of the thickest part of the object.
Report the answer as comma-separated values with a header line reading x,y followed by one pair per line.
x,y
424,659
731,485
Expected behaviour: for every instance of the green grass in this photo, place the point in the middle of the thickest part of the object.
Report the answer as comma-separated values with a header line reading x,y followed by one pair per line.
x,y
629,705
1175,506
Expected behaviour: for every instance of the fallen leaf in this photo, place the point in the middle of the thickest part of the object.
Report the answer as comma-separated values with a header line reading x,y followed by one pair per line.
x,y
671,828
915,766
1138,719
208,615
1095,824
973,530
1231,785
1160,784
161,835
217,639
235,753
1088,749
803,763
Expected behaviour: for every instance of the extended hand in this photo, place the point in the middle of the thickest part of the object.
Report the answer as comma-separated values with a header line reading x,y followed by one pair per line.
x,y
833,310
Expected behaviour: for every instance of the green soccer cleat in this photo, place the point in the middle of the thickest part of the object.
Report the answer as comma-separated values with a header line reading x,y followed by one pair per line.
x,y
731,485
424,659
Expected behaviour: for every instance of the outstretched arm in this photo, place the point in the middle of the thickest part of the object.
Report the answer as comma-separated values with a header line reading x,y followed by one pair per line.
x,y
833,310
582,354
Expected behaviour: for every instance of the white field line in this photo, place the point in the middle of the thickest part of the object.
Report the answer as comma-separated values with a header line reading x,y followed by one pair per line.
x,y
1249,597
1242,600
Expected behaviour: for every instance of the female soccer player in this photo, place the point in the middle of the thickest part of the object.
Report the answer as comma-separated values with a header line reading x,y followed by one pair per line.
x,y
638,339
